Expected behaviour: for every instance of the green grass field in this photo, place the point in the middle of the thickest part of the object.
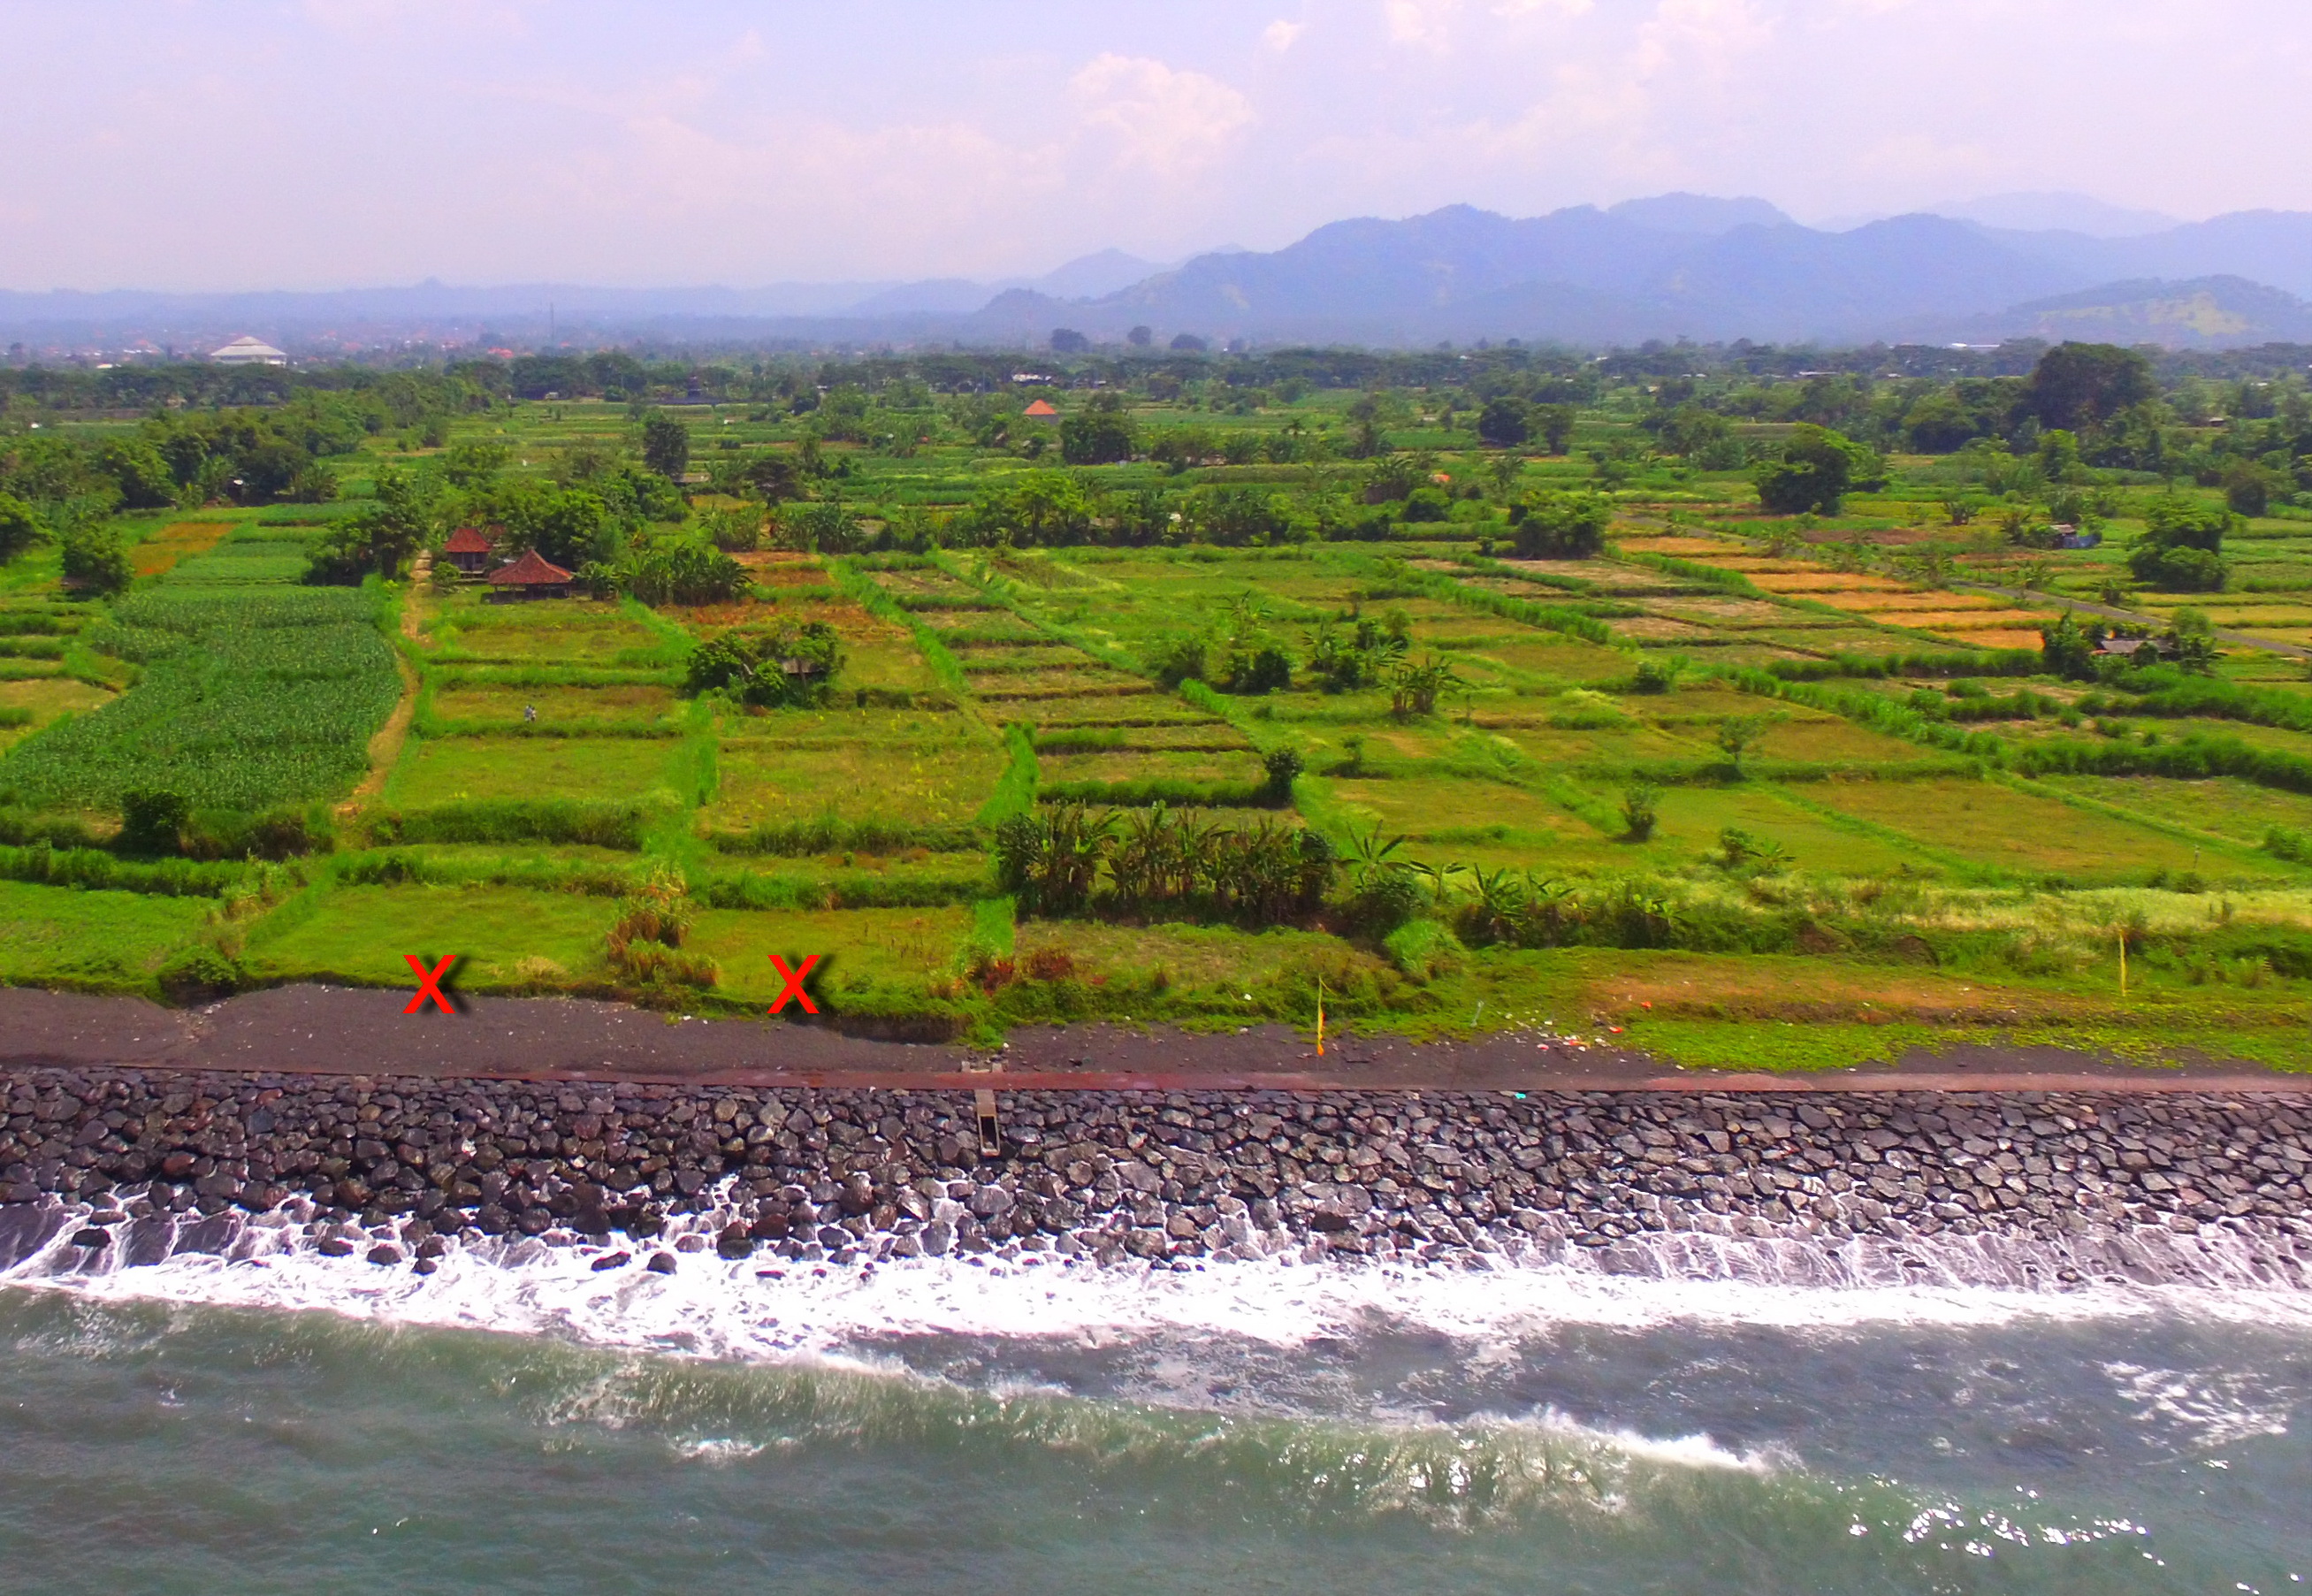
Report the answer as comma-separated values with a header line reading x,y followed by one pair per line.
x,y
1843,857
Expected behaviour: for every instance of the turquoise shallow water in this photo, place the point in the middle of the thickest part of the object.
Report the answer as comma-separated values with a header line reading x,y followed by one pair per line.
x,y
160,1448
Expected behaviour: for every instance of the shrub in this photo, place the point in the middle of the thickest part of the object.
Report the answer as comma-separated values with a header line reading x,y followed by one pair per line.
x,y
2182,546
94,560
1057,861
1736,735
2067,647
1641,811
198,975
1654,676
1180,659
152,821
276,835
1386,900
2283,841
734,531
791,667
20,528
681,573
516,820
1561,526
2180,570
2247,488
1814,472
1268,670
831,834
20,828
1414,688
652,922
1284,766
1424,950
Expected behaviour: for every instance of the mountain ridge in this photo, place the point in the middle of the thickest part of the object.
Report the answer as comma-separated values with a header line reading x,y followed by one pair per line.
x,y
1670,266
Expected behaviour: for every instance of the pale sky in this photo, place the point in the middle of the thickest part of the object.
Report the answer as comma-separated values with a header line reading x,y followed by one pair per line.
x,y
308,143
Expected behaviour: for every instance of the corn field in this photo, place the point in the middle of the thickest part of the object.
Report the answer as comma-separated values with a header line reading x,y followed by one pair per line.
x,y
247,702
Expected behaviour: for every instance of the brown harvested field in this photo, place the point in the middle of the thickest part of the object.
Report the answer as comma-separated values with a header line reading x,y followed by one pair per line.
x,y
1724,611
47,697
1713,550
780,568
1812,987
941,780
1976,620
1146,708
2018,637
854,623
1873,603
179,540
977,620
478,702
1604,573
1821,581
1129,765
1997,824
1658,628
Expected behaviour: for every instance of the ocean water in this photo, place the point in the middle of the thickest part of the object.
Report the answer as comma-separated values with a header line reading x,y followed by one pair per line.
x,y
261,1418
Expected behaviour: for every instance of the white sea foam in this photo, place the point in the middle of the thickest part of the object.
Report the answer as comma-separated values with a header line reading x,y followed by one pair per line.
x,y
766,1307
717,1452
2214,1407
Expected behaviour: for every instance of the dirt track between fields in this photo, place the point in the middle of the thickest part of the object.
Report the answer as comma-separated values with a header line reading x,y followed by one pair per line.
x,y
347,1031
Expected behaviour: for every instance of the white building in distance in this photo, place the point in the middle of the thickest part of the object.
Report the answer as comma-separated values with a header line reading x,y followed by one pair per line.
x,y
247,351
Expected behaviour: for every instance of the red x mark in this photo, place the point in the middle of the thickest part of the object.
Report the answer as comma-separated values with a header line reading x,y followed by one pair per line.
x,y
794,979
429,983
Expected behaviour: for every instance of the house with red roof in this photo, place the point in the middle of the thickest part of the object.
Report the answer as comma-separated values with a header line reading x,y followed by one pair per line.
x,y
531,577
469,548
1041,410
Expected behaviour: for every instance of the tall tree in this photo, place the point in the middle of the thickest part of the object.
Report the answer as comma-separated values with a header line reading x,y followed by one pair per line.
x,y
666,445
2078,386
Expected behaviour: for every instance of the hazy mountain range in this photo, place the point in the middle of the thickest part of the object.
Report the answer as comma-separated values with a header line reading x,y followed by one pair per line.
x,y
1673,266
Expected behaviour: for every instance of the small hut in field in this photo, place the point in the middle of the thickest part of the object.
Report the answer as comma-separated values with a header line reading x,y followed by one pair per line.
x,y
470,550
531,577
1042,410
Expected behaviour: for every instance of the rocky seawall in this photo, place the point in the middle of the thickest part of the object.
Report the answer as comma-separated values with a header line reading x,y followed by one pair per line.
x,y
2033,1189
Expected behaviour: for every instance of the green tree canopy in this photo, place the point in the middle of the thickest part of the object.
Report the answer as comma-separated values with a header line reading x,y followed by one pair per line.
x,y
1814,471
1563,526
93,558
2182,547
1099,435
2078,386
1033,507
666,445
1505,422
379,537
20,528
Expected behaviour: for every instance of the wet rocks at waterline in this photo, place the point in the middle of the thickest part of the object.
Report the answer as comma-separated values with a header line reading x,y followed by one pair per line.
x,y
386,1167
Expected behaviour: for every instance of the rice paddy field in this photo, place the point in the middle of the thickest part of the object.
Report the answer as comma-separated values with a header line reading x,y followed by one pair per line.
x,y
1731,768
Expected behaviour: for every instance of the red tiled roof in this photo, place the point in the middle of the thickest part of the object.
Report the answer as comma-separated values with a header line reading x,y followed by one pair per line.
x,y
1042,408
530,571
467,539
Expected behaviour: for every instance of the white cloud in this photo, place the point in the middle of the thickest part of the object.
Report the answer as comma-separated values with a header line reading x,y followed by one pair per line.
x,y
517,139
1172,123
1422,23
